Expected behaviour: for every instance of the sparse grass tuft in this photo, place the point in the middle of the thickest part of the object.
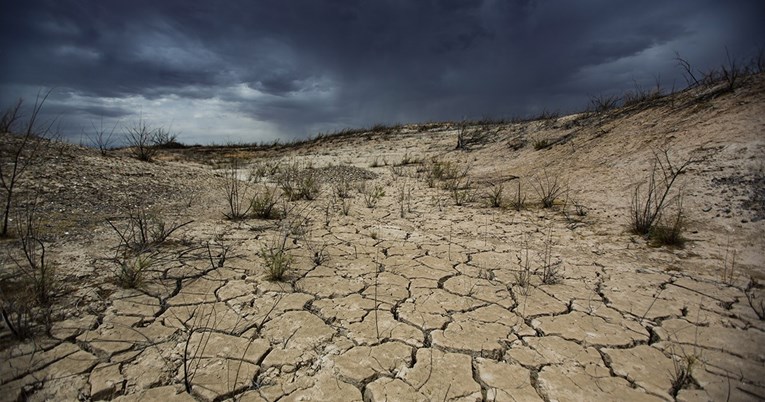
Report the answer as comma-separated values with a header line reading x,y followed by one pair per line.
x,y
263,204
37,273
236,192
753,294
548,187
144,230
299,182
131,271
372,195
682,377
519,201
541,144
276,259
649,202
551,273
670,233
496,196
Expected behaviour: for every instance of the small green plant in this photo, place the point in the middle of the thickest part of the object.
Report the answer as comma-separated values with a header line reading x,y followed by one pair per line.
x,y
263,204
319,253
548,188
408,159
669,231
682,377
649,202
236,192
405,199
495,195
729,274
372,195
18,317
519,201
276,259
550,268
144,230
299,182
753,294
131,270
345,206
541,144
343,189
462,191
523,275
38,273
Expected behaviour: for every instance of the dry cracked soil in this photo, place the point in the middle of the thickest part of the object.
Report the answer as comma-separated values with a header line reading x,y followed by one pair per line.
x,y
414,298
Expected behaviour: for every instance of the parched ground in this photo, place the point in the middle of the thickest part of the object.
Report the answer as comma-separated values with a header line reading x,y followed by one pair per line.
x,y
416,298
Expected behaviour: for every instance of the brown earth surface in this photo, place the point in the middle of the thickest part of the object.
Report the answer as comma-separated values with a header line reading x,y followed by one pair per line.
x,y
416,298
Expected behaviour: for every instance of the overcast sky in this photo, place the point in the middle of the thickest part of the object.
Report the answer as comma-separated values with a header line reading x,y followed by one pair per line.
x,y
219,71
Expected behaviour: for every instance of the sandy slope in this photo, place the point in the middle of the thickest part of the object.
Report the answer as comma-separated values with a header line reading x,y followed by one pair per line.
x,y
420,299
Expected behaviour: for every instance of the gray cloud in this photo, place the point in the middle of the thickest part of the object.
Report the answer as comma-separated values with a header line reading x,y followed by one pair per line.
x,y
268,69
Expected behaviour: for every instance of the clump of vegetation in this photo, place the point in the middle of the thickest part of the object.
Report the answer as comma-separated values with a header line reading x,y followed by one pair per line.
x,y
405,199
519,201
299,182
33,276
541,144
264,204
372,194
236,191
753,294
650,199
143,230
37,273
548,187
100,138
408,159
496,195
276,258
131,270
669,230
343,188
18,154
144,141
550,268
682,377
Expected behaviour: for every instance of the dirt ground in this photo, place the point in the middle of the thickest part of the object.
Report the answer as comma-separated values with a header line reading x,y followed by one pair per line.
x,y
415,298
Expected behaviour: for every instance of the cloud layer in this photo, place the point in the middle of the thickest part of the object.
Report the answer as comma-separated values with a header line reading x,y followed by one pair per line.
x,y
260,70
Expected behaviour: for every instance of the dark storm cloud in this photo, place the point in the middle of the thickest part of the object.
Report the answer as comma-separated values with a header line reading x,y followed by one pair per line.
x,y
304,66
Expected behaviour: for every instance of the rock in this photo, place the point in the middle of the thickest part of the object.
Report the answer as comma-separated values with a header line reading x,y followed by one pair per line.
x,y
215,344
538,351
105,380
325,387
474,338
506,382
138,305
442,376
566,383
299,330
170,393
644,365
215,377
73,327
590,329
747,343
392,389
361,363
372,331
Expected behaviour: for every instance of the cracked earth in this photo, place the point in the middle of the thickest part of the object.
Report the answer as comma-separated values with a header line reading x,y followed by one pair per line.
x,y
418,299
